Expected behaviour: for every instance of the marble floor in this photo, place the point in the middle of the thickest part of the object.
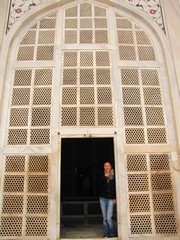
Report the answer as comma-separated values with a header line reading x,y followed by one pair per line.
x,y
81,228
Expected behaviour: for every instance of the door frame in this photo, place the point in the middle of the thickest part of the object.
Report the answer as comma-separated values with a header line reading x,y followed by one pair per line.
x,y
110,134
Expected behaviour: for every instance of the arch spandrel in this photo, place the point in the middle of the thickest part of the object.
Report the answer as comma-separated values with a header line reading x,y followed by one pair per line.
x,y
18,9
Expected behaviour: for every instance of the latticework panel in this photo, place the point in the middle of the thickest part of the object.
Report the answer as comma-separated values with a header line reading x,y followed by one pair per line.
x,y
38,43
141,224
93,208
17,137
37,204
20,96
134,136
36,226
18,117
37,184
12,204
73,209
136,163
30,111
86,92
143,106
133,116
138,182
86,24
165,224
11,226
40,136
133,42
41,116
25,196
150,194
87,116
139,203
83,209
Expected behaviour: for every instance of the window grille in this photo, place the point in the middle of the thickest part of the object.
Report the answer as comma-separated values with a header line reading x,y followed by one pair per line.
x,y
150,201
25,191
30,111
142,106
133,42
86,24
86,94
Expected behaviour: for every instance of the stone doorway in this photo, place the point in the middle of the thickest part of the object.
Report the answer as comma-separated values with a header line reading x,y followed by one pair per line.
x,y
82,162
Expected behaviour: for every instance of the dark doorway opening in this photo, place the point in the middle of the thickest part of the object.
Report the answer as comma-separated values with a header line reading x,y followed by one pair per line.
x,y
82,161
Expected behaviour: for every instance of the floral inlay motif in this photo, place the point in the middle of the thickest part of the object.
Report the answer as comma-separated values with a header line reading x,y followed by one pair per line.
x,y
151,7
20,7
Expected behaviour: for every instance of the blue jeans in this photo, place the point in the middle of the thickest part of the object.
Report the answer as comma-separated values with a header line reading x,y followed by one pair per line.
x,y
107,213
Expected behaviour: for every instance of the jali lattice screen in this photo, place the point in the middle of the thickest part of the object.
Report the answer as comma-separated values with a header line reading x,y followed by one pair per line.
x,y
150,194
79,62
25,196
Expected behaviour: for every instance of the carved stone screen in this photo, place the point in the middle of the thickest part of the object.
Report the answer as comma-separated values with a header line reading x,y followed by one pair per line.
x,y
85,66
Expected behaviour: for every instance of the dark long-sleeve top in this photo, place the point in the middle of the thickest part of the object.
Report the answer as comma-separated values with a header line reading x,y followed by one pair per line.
x,y
107,188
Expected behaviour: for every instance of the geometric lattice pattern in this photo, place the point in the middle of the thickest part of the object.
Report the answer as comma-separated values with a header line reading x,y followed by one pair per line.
x,y
85,23
25,193
133,43
77,209
141,224
38,43
86,89
143,109
30,111
30,108
11,226
151,200
36,226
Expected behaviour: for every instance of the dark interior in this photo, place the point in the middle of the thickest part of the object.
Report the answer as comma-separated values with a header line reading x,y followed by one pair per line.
x,y
82,161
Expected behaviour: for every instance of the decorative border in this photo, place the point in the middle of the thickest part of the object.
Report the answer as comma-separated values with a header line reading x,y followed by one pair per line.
x,y
20,7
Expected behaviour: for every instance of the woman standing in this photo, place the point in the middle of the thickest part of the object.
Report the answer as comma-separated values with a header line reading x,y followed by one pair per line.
x,y
107,196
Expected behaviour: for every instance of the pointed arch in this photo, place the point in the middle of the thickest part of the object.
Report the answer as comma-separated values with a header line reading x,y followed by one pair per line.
x,y
107,76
